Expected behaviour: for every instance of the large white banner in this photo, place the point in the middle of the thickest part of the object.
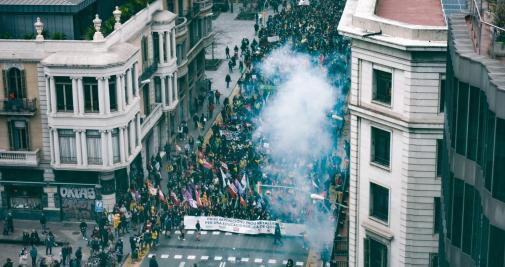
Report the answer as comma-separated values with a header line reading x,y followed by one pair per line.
x,y
242,226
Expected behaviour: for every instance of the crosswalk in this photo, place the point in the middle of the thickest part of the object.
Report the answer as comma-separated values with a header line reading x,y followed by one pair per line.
x,y
230,259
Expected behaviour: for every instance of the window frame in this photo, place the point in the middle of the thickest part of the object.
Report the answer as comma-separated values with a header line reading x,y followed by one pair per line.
x,y
66,84
373,162
10,128
88,86
370,206
377,239
442,93
374,99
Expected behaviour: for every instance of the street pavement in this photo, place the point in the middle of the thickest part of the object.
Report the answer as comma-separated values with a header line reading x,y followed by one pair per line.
x,y
227,249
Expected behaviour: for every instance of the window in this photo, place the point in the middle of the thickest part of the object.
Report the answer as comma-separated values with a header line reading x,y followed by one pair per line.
x,y
64,100
489,159
433,260
145,55
499,158
170,35
461,133
436,215
112,93
157,90
376,253
94,146
473,124
457,212
496,246
441,103
380,146
18,135
115,146
14,83
382,82
165,55
91,95
439,157
468,219
482,126
68,153
134,82
379,202
156,47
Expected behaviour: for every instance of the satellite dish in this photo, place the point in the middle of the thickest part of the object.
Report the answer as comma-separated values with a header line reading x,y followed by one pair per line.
x,y
304,3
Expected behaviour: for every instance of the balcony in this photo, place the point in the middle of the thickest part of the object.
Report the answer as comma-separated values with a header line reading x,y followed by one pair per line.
x,y
181,26
19,158
151,119
18,106
150,67
204,5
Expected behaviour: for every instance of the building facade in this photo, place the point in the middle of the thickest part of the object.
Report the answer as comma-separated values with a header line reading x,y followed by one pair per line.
x,y
397,80
473,199
80,119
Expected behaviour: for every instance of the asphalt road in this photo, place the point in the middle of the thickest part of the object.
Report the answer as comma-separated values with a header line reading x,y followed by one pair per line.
x,y
226,249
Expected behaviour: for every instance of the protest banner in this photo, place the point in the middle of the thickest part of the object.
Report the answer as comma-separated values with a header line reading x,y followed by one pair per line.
x,y
242,226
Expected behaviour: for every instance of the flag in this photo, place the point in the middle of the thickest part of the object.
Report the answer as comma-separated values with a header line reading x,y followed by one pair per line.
x,y
244,182
174,198
206,164
153,191
243,202
239,187
198,200
258,187
192,203
224,165
232,189
187,195
223,176
162,196
205,201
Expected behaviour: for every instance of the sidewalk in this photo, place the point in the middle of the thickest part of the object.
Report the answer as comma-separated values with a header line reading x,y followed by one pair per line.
x,y
63,231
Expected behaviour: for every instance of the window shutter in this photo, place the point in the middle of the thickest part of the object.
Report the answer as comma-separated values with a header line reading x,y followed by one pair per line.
x,y
4,79
23,85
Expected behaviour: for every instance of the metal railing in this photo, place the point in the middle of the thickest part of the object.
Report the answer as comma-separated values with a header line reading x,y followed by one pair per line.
x,y
19,157
150,68
18,105
485,34
181,25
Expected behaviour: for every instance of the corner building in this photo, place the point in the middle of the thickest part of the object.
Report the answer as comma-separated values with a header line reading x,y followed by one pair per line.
x,y
80,119
473,221
397,82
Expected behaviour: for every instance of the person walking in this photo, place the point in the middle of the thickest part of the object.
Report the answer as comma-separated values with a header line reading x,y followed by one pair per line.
x,y
23,258
49,243
64,254
227,79
227,51
217,96
277,234
153,262
181,229
43,222
84,229
198,230
78,256
33,254
10,223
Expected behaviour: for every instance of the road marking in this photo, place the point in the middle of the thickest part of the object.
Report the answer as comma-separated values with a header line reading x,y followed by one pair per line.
x,y
204,258
190,232
258,260
150,255
216,232
244,259
231,259
299,263
284,262
227,233
203,232
191,257
164,256
272,261
178,257
217,258
181,264
177,232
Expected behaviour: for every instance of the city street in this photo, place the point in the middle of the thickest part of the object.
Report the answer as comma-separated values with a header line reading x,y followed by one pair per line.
x,y
226,249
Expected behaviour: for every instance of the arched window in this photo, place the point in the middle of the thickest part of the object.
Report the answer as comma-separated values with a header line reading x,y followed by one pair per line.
x,y
14,83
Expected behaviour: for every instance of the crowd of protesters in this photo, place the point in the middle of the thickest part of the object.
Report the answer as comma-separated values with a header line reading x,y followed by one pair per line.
x,y
221,175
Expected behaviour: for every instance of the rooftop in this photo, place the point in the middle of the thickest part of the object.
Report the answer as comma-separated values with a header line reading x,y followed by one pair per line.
x,y
417,12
